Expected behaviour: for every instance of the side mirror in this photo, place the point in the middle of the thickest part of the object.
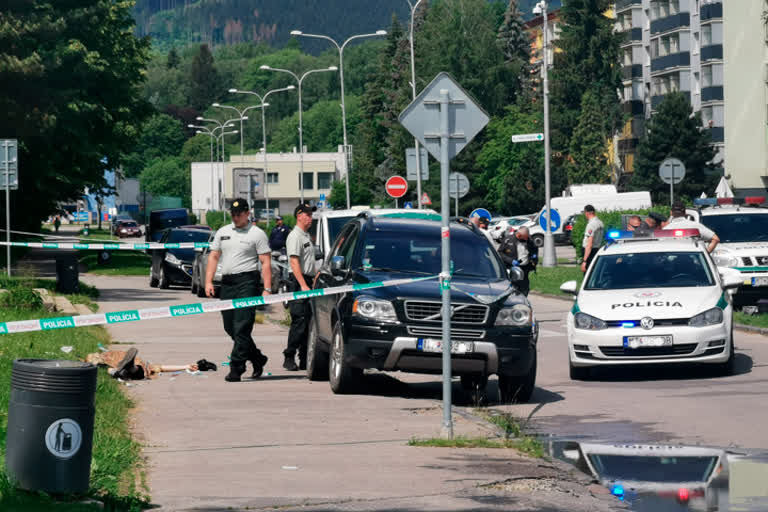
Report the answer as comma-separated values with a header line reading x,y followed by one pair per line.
x,y
319,253
569,287
516,274
731,280
337,264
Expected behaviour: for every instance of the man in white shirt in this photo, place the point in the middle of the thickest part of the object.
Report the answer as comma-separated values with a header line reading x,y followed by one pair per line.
x,y
678,220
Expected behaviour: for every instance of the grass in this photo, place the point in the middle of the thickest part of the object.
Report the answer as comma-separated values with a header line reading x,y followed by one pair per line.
x,y
122,263
86,291
754,320
548,280
98,233
116,456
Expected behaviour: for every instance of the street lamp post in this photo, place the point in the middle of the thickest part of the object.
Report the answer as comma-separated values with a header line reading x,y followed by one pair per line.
x,y
263,104
212,135
413,89
549,259
220,126
341,78
300,80
243,117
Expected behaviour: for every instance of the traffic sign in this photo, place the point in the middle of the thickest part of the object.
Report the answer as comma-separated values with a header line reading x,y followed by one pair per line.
x,y
410,164
672,171
458,185
408,205
554,218
9,164
425,200
480,212
396,186
528,137
422,117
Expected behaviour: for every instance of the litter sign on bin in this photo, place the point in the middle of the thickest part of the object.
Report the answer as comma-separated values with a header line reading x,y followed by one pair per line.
x,y
63,438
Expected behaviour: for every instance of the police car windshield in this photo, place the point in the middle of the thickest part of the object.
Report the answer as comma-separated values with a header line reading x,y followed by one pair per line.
x,y
649,270
666,469
406,252
738,227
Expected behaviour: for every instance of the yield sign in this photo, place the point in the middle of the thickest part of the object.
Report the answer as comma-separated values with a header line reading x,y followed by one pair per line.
x,y
396,186
425,200
465,117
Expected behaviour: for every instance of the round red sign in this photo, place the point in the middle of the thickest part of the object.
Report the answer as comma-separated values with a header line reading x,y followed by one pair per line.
x,y
396,186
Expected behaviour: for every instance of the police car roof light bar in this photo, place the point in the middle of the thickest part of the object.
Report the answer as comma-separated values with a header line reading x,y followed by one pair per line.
x,y
709,201
724,200
676,233
754,200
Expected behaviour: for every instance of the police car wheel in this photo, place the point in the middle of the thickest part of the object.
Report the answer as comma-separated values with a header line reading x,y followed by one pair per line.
x,y
193,287
538,240
342,377
578,373
475,387
317,360
728,367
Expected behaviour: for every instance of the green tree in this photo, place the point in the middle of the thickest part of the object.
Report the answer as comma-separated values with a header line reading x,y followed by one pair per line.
x,y
514,43
69,79
204,84
169,176
675,131
588,161
161,136
196,149
173,59
322,127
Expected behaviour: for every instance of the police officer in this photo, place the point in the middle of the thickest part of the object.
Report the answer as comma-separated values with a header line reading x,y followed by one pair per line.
x,y
593,236
678,220
246,272
301,255
279,235
518,250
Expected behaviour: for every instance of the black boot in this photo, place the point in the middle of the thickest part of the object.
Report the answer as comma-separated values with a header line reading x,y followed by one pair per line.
x,y
235,371
290,364
258,365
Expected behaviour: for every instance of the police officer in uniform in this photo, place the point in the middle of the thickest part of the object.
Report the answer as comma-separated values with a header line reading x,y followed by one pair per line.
x,y
246,272
279,235
301,254
593,236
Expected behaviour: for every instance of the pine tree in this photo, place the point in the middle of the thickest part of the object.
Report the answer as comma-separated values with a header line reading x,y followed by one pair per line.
x,y
204,83
515,45
173,59
588,161
674,131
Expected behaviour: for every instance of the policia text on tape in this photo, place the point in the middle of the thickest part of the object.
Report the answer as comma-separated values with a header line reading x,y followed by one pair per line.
x,y
106,246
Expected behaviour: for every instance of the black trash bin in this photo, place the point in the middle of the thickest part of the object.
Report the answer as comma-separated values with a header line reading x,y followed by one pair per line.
x,y
67,273
50,425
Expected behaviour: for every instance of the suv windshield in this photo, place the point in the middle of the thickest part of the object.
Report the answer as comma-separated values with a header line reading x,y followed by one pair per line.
x,y
650,270
417,252
738,227
181,235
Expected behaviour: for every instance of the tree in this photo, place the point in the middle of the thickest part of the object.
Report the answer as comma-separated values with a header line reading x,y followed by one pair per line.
x,y
173,59
161,136
322,127
588,161
196,149
169,176
69,79
514,43
675,131
204,85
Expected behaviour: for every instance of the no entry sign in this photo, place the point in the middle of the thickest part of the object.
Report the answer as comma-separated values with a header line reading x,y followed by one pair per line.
x,y
396,186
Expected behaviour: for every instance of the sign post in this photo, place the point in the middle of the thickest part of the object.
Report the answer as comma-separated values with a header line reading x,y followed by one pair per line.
x,y
11,179
396,187
458,187
672,171
444,118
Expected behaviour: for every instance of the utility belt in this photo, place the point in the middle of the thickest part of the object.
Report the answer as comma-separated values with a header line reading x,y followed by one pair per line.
x,y
294,283
253,275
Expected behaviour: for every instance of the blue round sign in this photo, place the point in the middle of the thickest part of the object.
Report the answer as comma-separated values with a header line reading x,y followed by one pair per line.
x,y
554,218
482,213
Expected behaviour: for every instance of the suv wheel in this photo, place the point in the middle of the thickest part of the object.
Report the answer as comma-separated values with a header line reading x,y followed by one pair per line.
x,y
163,280
341,376
317,360
193,287
518,389
152,279
475,387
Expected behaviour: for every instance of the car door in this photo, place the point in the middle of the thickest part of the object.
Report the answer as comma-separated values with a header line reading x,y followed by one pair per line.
x,y
325,279
158,255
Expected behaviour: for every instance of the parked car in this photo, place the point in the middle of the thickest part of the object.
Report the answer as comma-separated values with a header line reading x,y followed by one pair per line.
x,y
399,328
117,219
507,225
199,268
174,266
127,228
160,220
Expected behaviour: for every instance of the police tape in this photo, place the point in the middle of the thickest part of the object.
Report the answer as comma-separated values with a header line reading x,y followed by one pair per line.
x,y
107,246
183,310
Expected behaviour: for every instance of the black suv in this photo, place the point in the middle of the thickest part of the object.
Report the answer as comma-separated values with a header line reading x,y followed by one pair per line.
x,y
398,327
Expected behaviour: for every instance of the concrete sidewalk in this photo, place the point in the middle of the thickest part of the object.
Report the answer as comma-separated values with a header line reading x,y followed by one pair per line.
x,y
282,441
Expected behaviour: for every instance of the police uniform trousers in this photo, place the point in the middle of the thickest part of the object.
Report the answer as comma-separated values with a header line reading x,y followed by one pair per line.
x,y
238,323
301,315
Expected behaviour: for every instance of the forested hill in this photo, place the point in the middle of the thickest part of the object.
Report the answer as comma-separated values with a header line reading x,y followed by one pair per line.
x,y
217,22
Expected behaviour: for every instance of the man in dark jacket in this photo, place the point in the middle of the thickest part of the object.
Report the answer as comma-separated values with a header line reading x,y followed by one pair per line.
x,y
518,250
279,235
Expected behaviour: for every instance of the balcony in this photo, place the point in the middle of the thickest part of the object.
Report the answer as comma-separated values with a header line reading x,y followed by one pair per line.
x,y
681,19
633,71
625,4
655,100
628,145
674,60
718,133
712,93
712,52
711,11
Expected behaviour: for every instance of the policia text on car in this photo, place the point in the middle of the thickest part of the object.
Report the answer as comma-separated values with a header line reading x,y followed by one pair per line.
x,y
246,272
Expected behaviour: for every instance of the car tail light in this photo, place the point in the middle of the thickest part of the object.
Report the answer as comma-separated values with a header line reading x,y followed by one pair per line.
x,y
754,200
675,233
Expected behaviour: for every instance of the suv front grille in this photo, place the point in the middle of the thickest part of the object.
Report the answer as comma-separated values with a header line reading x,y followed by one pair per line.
x,y
461,313
747,260
437,332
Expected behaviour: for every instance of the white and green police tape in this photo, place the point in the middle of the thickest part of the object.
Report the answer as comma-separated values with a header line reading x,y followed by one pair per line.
x,y
107,246
135,315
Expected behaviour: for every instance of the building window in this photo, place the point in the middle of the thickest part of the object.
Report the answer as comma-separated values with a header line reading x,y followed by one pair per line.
x,y
324,180
696,44
309,180
696,84
272,178
706,76
706,35
674,7
706,116
655,9
654,48
628,57
674,82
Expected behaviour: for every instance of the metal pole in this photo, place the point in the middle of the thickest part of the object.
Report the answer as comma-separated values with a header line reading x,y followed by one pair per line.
x,y
264,144
241,135
549,260
344,123
672,188
7,207
413,89
457,196
301,147
445,278
210,136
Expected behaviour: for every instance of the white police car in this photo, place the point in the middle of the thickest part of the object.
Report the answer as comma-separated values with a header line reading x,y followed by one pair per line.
x,y
654,300
742,226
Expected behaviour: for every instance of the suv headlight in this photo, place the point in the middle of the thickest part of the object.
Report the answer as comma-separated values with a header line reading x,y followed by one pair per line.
x,y
173,260
518,315
712,316
725,259
374,309
588,322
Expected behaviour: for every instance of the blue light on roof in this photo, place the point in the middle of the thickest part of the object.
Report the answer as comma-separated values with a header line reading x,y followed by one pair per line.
x,y
627,324
618,491
711,201
614,234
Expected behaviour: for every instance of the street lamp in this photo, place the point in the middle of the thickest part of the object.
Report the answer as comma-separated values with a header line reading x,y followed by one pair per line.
x,y
413,89
549,260
220,126
341,77
263,104
243,117
300,80
212,134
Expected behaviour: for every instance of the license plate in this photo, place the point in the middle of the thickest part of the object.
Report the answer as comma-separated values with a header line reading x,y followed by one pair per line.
x,y
647,341
457,347
760,281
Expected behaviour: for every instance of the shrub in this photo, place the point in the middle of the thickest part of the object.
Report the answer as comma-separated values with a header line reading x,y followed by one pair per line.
x,y
216,219
611,220
21,297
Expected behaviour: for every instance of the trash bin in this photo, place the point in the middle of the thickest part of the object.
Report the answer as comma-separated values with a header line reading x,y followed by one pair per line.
x,y
67,273
50,425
